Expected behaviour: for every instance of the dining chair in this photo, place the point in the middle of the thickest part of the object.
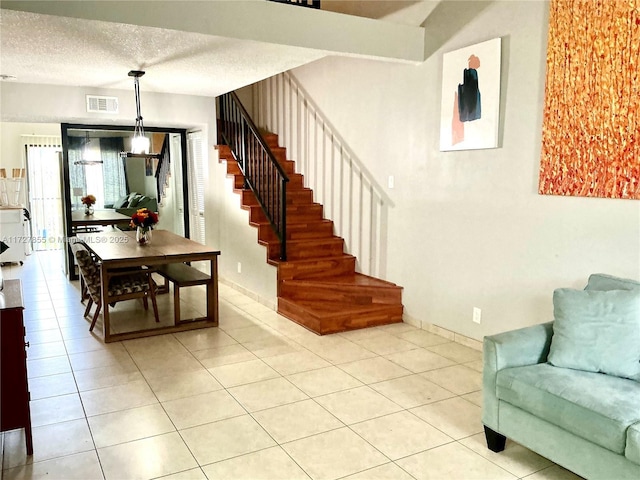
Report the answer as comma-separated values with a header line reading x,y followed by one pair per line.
x,y
123,284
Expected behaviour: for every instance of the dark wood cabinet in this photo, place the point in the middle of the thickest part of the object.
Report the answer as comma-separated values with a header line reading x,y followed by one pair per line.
x,y
14,389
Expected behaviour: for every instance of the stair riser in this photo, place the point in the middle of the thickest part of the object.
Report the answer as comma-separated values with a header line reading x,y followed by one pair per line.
x,y
307,251
271,139
224,152
279,152
296,294
297,231
233,168
299,316
321,268
296,180
238,182
294,198
313,213
357,294
339,323
299,197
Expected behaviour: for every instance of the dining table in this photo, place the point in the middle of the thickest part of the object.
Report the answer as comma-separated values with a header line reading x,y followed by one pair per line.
x,y
120,249
97,218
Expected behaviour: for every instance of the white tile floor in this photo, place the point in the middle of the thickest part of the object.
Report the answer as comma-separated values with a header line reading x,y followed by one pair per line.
x,y
257,398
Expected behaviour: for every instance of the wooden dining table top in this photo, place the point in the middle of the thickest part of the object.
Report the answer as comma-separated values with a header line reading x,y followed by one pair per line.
x,y
121,248
99,217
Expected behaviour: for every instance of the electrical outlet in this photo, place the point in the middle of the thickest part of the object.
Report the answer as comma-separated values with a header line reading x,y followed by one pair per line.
x,y
477,314
391,181
239,267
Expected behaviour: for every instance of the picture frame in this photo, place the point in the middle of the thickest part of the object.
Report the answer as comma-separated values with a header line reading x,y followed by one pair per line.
x,y
470,101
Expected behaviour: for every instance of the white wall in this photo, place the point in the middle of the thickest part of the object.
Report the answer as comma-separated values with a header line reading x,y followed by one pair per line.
x,y
470,228
12,146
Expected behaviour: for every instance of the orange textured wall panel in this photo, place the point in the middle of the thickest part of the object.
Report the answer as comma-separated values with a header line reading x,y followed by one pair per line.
x,y
591,130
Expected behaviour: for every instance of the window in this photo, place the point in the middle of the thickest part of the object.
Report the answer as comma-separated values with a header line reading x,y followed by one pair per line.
x,y
44,203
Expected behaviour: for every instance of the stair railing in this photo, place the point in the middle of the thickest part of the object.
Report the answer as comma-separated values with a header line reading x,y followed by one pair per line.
x,y
262,172
340,181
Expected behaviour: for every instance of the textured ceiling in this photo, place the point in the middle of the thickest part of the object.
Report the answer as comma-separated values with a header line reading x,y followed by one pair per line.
x,y
38,48
45,49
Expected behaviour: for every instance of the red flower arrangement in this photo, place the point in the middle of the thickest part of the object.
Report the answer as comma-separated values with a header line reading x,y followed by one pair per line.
x,y
88,200
144,218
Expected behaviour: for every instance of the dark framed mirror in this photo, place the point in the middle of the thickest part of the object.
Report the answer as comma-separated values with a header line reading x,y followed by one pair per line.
x,y
95,162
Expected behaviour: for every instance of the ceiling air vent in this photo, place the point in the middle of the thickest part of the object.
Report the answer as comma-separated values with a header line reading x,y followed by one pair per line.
x,y
99,104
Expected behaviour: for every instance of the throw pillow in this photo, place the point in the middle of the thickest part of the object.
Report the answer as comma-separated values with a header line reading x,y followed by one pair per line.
x,y
601,281
121,202
134,201
597,331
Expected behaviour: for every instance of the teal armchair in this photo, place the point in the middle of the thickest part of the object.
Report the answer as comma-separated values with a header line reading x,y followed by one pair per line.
x,y
586,422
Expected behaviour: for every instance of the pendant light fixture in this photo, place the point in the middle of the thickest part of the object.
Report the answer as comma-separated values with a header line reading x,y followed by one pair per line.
x,y
89,156
140,142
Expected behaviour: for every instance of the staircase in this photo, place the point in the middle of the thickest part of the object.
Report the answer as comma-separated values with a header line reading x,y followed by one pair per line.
x,y
318,286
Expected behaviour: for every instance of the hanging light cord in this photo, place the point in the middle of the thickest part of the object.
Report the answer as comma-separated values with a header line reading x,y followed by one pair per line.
x,y
139,129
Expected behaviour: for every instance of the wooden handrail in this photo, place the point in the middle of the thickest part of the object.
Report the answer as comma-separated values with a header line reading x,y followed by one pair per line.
x,y
262,173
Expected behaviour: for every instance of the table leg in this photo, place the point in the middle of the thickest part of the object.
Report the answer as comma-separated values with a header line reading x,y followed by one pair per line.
x,y
176,303
212,292
104,285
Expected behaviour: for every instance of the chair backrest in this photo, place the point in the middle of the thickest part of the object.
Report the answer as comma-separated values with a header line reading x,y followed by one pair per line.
x,y
88,267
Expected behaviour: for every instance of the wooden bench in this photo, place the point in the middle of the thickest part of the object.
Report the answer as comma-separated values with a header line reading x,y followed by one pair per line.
x,y
181,275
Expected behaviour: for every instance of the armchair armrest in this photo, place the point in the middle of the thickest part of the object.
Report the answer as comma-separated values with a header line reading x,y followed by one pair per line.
x,y
525,346
517,348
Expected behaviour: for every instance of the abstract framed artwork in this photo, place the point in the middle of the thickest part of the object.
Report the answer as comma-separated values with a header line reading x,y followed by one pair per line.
x,y
470,108
591,131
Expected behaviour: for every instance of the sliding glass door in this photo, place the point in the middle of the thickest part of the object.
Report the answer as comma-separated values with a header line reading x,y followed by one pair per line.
x,y
44,202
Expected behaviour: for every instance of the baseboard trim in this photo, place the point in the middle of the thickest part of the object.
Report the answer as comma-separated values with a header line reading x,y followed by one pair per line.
x,y
429,327
443,332
267,303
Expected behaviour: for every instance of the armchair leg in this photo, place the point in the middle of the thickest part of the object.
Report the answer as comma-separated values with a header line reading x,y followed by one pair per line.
x,y
495,441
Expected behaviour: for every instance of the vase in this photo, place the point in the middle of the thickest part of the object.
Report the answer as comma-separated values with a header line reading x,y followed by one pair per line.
x,y
88,209
143,235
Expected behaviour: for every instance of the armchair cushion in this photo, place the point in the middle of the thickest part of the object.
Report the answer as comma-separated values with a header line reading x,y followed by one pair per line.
x,y
127,284
122,283
599,408
597,331
601,281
